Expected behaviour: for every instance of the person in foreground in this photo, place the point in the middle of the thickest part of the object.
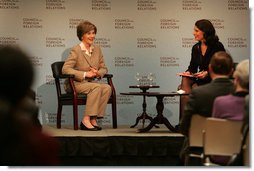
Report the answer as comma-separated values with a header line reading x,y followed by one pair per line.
x,y
202,97
22,141
232,106
86,63
201,53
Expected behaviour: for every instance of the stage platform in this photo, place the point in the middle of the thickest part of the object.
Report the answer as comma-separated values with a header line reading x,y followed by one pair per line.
x,y
123,146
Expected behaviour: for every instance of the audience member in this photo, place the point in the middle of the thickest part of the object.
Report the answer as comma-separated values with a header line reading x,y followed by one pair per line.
x,y
201,98
22,142
86,63
201,54
232,106
246,114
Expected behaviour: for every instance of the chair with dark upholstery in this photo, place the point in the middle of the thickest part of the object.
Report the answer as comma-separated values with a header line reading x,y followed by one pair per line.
x,y
75,98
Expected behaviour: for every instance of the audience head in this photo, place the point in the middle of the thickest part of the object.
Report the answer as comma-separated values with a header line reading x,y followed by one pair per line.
x,y
209,31
221,64
84,27
16,73
242,74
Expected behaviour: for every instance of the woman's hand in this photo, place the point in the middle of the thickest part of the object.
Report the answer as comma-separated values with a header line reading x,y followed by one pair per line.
x,y
90,74
201,75
95,71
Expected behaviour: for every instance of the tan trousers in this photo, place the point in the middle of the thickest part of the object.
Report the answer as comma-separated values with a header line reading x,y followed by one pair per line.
x,y
98,95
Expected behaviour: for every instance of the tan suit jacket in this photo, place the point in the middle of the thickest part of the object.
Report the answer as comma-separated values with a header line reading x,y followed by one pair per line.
x,y
79,62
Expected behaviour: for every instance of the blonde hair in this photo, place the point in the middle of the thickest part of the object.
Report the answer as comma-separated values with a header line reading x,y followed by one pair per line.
x,y
242,73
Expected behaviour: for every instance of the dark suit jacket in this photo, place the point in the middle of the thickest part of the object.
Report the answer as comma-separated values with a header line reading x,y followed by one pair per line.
x,y
201,100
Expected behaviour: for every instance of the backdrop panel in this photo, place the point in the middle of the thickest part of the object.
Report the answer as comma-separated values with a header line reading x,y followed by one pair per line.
x,y
136,36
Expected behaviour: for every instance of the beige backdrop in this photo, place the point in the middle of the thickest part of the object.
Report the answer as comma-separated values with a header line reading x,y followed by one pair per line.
x,y
136,36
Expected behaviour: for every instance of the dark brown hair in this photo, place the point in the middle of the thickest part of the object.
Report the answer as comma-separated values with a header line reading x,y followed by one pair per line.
x,y
209,31
222,63
84,27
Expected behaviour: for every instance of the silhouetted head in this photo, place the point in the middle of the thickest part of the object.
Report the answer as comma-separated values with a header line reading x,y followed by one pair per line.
x,y
16,72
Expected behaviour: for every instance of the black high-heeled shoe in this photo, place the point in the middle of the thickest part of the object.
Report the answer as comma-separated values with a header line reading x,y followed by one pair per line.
x,y
83,127
98,127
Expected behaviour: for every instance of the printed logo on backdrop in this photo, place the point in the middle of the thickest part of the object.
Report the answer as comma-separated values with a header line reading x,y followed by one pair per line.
x,y
55,4
124,99
106,119
9,4
124,61
169,62
124,24
8,40
237,42
169,24
218,23
146,80
38,99
50,80
103,42
101,5
73,22
146,42
50,118
195,5
55,42
33,23
188,42
37,61
146,5
171,100
238,5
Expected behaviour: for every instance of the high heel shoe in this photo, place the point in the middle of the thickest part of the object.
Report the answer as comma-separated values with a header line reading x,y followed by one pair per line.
x,y
98,127
83,127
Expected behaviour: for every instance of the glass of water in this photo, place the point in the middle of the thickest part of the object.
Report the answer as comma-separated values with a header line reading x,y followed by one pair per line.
x,y
151,78
138,77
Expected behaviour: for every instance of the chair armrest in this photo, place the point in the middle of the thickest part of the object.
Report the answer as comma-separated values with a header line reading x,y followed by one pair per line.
x,y
110,82
66,76
108,76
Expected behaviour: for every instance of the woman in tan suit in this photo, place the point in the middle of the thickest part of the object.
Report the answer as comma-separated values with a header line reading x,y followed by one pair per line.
x,y
86,62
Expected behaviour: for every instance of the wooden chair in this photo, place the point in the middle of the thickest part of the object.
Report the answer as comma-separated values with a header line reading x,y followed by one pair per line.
x,y
195,149
75,98
221,137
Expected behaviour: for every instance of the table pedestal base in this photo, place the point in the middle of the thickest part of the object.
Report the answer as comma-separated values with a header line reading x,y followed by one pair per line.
x,y
143,116
159,119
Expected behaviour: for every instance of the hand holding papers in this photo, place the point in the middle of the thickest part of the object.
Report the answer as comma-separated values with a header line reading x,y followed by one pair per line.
x,y
199,75
186,74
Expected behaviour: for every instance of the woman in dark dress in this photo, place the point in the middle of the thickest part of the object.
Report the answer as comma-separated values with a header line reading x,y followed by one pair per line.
x,y
208,43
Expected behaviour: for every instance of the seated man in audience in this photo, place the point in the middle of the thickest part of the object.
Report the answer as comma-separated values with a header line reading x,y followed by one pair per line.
x,y
232,106
202,97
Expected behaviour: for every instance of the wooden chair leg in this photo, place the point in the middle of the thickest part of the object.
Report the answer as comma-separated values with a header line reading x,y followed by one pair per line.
x,y
58,117
114,115
75,116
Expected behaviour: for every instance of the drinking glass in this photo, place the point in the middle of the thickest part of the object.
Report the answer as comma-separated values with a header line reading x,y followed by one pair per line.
x,y
151,77
138,77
